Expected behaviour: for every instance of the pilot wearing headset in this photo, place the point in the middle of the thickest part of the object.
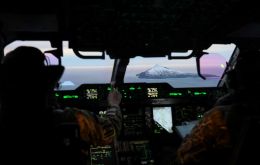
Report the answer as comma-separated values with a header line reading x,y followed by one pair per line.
x,y
27,111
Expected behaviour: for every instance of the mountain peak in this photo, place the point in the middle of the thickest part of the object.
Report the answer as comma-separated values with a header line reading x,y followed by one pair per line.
x,y
158,68
161,72
157,65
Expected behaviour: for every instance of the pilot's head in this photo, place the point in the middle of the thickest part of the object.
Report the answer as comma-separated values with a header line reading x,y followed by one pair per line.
x,y
24,67
24,57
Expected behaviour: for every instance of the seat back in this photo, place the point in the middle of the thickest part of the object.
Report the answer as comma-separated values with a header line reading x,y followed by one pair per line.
x,y
246,149
68,144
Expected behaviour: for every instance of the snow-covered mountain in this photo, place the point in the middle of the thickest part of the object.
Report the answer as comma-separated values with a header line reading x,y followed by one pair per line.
x,y
160,72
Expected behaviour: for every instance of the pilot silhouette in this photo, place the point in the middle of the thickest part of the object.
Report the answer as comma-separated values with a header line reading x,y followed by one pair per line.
x,y
213,139
28,115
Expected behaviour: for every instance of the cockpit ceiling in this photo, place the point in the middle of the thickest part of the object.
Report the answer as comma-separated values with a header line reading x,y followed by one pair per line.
x,y
157,26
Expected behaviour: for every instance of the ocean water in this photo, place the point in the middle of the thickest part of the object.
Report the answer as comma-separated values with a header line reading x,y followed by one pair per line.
x,y
74,77
179,82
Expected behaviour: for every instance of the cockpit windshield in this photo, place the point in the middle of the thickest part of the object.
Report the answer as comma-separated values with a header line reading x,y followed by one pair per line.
x,y
181,73
77,70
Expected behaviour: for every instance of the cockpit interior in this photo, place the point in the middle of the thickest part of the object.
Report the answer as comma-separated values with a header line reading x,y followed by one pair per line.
x,y
167,58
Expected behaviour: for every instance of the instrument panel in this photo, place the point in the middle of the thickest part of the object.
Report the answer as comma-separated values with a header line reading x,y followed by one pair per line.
x,y
136,93
143,102
155,115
